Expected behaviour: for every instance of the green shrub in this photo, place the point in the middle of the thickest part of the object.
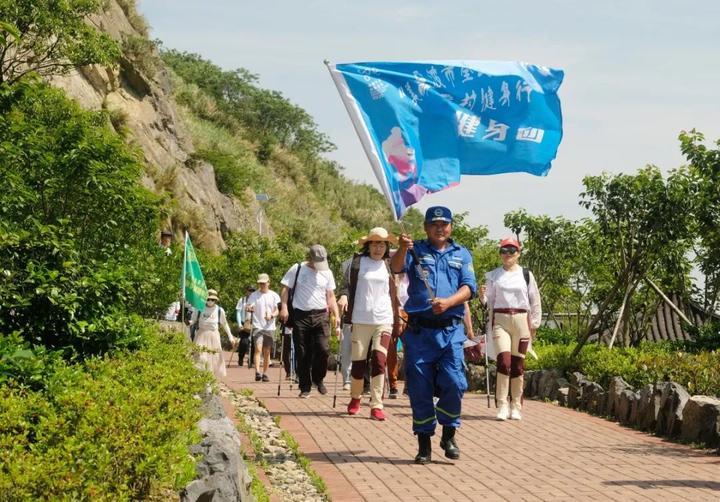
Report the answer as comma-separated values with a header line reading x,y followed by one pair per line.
x,y
698,372
107,429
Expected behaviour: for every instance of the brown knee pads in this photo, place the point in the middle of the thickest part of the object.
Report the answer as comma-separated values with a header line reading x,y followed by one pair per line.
x,y
358,369
378,358
517,366
503,363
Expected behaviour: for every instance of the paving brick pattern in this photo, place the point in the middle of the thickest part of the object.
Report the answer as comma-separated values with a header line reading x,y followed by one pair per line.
x,y
552,454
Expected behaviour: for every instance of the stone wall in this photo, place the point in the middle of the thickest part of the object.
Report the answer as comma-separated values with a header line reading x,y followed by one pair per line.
x,y
663,408
221,471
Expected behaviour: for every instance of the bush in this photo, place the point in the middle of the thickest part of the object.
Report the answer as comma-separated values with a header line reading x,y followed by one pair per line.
x,y
698,372
107,429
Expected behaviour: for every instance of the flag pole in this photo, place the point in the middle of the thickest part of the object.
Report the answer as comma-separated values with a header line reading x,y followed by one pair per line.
x,y
182,285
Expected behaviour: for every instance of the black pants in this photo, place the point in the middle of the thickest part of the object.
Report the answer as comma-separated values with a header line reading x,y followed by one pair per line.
x,y
243,347
311,335
286,341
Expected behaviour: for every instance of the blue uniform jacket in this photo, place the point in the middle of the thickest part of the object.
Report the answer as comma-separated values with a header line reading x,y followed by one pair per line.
x,y
446,271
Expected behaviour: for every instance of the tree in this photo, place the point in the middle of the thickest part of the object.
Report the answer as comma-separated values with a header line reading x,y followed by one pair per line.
x,y
644,229
551,249
705,169
50,37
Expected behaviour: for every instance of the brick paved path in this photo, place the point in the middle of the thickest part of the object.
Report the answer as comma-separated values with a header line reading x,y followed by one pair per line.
x,y
553,454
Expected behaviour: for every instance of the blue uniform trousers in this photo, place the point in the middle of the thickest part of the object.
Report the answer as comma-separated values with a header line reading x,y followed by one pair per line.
x,y
434,367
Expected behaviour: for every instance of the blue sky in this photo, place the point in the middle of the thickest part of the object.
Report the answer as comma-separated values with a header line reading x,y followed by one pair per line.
x,y
636,74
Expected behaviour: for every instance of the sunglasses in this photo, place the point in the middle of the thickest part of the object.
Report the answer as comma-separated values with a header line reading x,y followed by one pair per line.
x,y
508,250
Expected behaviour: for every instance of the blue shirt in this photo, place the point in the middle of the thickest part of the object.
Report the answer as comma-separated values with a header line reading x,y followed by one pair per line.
x,y
447,271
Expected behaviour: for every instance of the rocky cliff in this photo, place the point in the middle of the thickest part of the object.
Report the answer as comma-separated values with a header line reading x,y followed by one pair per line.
x,y
139,103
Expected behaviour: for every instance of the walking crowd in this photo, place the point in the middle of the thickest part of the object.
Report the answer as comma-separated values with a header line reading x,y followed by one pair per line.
x,y
395,292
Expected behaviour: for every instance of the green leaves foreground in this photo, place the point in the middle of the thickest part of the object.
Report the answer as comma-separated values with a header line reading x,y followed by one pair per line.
x,y
108,429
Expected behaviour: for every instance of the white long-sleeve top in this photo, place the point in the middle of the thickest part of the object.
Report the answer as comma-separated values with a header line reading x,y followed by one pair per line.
x,y
508,290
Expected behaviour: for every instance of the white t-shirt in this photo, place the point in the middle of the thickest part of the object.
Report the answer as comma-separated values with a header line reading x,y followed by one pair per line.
x,y
372,294
508,290
312,287
265,304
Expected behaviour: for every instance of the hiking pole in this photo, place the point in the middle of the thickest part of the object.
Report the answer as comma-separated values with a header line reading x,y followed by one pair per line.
x,y
487,371
282,351
292,360
338,362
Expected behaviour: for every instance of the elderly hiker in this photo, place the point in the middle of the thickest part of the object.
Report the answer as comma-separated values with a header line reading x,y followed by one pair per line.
x,y
434,337
307,294
262,305
513,301
366,299
207,323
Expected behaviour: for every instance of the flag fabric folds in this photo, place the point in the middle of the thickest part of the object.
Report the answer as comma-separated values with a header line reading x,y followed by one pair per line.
x,y
193,283
424,124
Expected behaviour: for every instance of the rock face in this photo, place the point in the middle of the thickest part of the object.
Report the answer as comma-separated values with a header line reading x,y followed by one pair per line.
x,y
701,420
221,472
673,398
615,390
149,114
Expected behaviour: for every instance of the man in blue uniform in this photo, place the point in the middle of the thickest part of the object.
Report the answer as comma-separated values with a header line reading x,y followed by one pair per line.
x,y
435,333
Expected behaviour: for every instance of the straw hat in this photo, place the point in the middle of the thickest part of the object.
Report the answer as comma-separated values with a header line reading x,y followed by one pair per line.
x,y
378,234
212,295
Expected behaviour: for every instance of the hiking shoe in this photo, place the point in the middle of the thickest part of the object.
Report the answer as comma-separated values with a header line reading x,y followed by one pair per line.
x,y
515,412
346,386
305,394
424,455
265,378
321,388
504,412
353,407
366,391
377,414
258,376
393,394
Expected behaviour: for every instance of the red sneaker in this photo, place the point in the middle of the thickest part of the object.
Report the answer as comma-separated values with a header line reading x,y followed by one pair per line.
x,y
354,406
377,414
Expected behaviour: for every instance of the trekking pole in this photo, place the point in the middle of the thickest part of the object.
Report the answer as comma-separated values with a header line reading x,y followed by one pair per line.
x,y
487,371
282,351
338,362
292,360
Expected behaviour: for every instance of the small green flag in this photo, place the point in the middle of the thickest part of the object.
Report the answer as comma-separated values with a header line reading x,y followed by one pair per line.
x,y
194,288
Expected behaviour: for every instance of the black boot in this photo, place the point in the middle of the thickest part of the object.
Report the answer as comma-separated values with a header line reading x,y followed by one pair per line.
x,y
448,443
424,455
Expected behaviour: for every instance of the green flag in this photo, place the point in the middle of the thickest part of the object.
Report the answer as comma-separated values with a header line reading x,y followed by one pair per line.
x,y
194,289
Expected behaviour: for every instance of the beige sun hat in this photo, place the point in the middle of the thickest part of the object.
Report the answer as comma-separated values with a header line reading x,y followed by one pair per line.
x,y
212,295
378,234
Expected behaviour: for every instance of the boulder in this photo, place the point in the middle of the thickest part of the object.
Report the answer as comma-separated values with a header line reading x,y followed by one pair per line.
x,y
701,421
648,405
575,389
673,398
562,396
546,382
221,471
615,389
475,375
623,406
527,383
591,393
559,384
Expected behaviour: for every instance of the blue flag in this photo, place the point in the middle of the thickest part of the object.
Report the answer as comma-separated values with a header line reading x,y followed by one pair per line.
x,y
424,124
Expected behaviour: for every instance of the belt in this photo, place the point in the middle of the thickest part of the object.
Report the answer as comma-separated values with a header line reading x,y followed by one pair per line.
x,y
433,323
510,311
313,312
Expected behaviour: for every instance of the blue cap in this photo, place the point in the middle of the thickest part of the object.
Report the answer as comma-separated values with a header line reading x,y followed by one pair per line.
x,y
438,213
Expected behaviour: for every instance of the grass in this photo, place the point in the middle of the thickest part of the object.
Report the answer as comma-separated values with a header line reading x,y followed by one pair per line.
x,y
304,463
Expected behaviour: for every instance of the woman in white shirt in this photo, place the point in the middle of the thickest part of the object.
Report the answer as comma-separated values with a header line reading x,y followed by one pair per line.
x,y
513,301
367,299
208,322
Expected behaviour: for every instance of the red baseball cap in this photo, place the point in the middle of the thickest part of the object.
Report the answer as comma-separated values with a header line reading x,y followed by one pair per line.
x,y
509,241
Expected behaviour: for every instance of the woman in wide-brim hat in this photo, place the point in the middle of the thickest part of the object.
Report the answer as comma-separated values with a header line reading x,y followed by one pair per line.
x,y
208,322
367,298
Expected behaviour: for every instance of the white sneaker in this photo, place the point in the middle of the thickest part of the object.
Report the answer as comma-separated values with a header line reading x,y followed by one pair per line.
x,y
346,386
515,412
503,412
